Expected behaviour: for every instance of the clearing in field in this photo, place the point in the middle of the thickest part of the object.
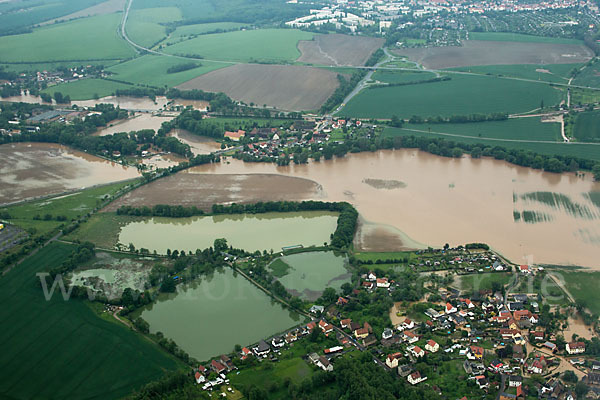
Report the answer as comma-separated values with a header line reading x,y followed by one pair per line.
x,y
587,126
87,89
481,52
93,38
204,190
152,70
82,355
461,95
338,50
265,45
286,87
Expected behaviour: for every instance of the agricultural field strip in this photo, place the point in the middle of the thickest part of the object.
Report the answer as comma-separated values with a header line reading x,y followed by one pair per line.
x,y
494,139
435,71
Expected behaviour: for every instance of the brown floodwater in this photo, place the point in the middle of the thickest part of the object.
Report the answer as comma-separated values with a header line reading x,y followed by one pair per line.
x,y
457,201
38,169
200,105
137,123
125,102
26,98
198,144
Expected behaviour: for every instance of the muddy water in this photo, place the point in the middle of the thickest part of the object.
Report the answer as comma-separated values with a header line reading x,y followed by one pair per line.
x,y
463,200
37,169
25,98
127,103
198,144
200,105
137,123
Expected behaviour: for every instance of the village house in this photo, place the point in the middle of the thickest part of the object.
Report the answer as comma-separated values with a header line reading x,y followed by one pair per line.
x,y
515,380
317,309
387,333
475,353
450,308
361,333
383,283
408,324
199,378
235,136
345,323
392,360
482,382
432,346
245,353
417,351
324,364
262,349
277,342
575,347
217,367
409,337
404,370
416,378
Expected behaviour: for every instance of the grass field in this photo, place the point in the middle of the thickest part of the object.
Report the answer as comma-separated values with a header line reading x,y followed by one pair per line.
x,y
517,37
583,285
86,89
374,256
587,126
152,70
102,229
146,27
558,73
589,151
93,38
279,268
81,355
71,206
199,29
476,282
459,96
589,76
273,45
388,76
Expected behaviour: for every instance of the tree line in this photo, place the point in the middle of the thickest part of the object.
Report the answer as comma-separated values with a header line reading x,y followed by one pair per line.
x,y
160,210
345,87
430,80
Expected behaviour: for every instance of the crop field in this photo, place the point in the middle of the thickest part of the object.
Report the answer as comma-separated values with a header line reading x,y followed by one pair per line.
x,y
583,285
587,126
461,95
482,52
92,38
287,87
82,355
589,76
145,26
517,37
86,89
336,49
266,45
102,8
558,73
589,151
152,70
388,76
200,29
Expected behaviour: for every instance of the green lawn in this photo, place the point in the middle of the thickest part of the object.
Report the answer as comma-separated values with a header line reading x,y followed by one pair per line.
x,y
273,45
558,73
80,354
93,38
484,281
152,70
199,29
517,37
583,285
146,27
86,89
587,126
70,206
461,95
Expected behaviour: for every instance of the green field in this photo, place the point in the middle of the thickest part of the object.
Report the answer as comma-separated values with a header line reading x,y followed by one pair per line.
x,y
559,73
461,95
279,268
52,66
70,206
86,89
102,229
589,151
199,29
476,282
589,76
271,45
93,38
587,126
388,76
517,37
146,27
583,285
80,354
152,70
374,256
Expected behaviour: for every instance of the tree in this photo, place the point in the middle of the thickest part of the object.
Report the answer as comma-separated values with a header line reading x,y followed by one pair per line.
x,y
569,376
396,122
581,390
168,285
346,289
220,245
329,296
596,172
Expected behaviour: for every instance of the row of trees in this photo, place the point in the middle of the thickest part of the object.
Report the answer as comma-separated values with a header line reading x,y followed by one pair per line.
x,y
160,210
458,119
344,89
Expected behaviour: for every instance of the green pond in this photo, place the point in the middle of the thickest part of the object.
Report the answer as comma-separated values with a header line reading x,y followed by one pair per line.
x,y
270,231
208,317
310,273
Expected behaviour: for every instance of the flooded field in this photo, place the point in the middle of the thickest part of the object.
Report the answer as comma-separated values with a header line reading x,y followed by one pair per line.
x,y
125,102
198,144
457,201
204,190
249,232
310,273
39,169
137,123
208,317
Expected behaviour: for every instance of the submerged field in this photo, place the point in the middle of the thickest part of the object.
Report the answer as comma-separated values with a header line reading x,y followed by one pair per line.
x,y
461,95
82,355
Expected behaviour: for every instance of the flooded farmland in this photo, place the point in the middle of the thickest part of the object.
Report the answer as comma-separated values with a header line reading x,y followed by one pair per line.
x,y
209,316
457,201
39,169
310,273
125,102
198,144
249,232
137,123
